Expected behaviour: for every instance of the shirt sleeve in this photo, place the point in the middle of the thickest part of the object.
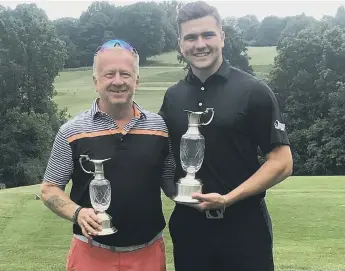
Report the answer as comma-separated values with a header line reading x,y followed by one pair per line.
x,y
168,175
268,128
60,163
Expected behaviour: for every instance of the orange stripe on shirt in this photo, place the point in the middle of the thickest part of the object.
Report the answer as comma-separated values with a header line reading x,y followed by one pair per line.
x,y
116,131
147,132
93,134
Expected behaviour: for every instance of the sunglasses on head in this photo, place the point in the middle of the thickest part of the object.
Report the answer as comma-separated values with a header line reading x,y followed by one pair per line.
x,y
117,43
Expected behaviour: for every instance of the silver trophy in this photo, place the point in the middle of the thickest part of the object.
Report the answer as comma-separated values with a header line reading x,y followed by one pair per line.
x,y
192,147
100,194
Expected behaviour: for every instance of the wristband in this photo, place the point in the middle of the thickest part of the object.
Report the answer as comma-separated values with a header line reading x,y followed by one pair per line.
x,y
75,215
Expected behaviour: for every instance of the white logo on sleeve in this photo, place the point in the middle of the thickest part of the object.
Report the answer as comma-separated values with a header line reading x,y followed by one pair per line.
x,y
279,126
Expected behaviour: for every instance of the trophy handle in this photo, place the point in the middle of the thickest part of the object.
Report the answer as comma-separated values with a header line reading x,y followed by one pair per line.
x,y
86,157
206,111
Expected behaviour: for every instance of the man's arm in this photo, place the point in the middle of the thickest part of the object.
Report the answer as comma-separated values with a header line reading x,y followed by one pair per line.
x,y
276,169
57,201
56,177
168,176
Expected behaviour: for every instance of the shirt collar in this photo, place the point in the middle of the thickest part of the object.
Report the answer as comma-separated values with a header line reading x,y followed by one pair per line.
x,y
138,111
223,72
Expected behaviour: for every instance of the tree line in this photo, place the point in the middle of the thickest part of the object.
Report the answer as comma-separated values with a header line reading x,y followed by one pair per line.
x,y
308,75
152,29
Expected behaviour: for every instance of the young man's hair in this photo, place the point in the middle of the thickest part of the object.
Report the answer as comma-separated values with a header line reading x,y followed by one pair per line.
x,y
196,10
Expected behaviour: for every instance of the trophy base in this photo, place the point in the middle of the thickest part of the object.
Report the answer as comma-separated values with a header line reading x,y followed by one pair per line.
x,y
107,228
186,199
185,189
107,232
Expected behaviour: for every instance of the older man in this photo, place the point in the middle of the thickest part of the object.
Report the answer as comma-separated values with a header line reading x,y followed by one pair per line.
x,y
141,163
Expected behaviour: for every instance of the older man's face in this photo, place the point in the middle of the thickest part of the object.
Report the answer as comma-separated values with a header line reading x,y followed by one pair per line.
x,y
116,79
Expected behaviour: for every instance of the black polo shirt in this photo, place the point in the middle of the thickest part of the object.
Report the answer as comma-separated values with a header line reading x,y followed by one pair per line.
x,y
141,164
246,119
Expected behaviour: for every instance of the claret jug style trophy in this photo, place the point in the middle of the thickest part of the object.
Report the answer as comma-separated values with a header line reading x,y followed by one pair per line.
x,y
192,147
100,194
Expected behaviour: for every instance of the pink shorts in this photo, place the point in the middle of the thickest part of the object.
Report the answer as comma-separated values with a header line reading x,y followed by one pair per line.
x,y
83,257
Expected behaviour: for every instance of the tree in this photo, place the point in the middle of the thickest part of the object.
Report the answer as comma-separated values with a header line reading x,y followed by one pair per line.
x,y
269,31
171,30
142,24
67,30
235,49
339,18
96,25
326,138
25,143
249,26
31,56
308,77
295,25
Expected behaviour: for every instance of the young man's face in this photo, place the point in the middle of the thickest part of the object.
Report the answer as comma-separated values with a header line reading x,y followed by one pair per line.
x,y
201,42
116,79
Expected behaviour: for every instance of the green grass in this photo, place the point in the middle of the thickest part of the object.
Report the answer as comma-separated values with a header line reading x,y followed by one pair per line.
x,y
262,55
307,215
166,59
262,59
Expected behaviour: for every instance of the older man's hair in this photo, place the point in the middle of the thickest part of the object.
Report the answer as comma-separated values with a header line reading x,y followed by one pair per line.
x,y
95,60
197,10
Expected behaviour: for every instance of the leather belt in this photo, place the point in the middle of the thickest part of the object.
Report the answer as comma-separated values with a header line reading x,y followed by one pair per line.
x,y
115,248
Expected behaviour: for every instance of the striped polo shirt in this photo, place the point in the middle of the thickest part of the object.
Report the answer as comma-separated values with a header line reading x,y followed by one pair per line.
x,y
141,163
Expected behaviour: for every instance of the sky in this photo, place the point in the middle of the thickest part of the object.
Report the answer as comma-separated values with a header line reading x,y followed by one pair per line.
x,y
73,8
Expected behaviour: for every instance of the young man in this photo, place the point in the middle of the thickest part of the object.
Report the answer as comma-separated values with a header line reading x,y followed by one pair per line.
x,y
230,229
141,163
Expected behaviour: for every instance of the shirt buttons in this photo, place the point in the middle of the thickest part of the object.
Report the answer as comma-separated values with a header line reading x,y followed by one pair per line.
x,y
200,104
202,88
